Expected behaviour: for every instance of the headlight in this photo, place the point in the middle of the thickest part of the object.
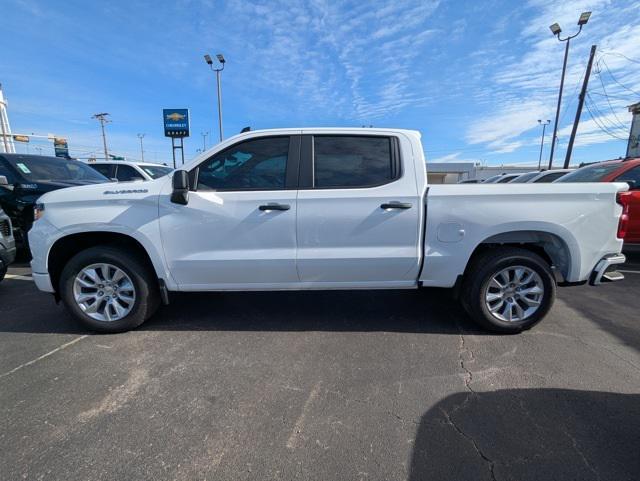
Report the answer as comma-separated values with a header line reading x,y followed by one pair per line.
x,y
38,211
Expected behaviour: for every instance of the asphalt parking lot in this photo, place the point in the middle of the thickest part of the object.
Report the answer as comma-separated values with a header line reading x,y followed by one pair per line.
x,y
380,385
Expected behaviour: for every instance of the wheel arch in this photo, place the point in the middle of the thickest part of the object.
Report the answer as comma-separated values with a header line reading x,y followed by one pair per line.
x,y
550,246
69,245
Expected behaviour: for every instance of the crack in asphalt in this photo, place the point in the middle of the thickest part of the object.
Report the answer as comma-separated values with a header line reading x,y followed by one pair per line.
x,y
584,459
468,379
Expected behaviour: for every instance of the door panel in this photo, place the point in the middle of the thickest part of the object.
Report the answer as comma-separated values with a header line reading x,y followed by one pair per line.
x,y
223,239
238,229
346,237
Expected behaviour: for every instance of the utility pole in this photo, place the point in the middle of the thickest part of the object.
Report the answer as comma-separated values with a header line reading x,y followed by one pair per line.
x,y
5,129
633,146
102,118
583,93
544,126
222,61
141,136
555,29
204,140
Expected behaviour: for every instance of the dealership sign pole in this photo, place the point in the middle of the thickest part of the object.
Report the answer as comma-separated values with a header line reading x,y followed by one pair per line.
x,y
176,126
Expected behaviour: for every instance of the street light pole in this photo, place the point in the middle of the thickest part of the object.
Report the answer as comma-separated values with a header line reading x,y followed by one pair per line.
x,y
222,61
204,140
141,136
555,29
103,120
544,126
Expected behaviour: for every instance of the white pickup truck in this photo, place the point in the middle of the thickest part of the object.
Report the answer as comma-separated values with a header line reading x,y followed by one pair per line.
x,y
329,208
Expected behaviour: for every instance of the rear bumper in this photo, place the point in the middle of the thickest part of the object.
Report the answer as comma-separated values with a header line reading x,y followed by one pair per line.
x,y
43,282
605,270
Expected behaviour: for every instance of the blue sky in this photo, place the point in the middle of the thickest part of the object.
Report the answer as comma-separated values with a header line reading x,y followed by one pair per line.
x,y
473,76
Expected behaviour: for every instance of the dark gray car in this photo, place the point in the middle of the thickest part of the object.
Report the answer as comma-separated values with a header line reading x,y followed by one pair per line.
x,y
7,244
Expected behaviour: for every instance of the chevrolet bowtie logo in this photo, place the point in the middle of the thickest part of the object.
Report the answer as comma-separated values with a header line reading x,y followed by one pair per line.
x,y
175,116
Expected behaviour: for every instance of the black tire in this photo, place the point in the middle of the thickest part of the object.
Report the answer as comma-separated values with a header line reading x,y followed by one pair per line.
x,y
479,275
3,271
142,276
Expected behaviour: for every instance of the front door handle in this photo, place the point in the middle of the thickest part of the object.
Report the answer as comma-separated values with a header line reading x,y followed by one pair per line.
x,y
396,205
275,207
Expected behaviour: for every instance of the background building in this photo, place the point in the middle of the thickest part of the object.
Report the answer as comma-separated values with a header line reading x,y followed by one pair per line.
x,y
454,172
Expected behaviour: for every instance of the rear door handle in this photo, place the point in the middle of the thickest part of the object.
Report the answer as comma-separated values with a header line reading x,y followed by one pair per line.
x,y
396,205
275,207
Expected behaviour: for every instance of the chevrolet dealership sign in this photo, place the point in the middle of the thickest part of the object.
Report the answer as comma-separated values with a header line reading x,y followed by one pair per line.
x,y
176,122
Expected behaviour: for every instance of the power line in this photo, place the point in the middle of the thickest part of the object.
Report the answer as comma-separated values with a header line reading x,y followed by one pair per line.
x,y
573,95
616,80
607,97
600,126
604,118
612,52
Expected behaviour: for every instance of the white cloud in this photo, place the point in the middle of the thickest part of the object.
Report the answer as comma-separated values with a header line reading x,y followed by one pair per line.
x,y
525,88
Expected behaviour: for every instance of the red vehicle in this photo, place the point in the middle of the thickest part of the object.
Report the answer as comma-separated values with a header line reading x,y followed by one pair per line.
x,y
627,170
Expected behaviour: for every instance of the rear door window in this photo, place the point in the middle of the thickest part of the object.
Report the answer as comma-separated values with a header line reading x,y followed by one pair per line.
x,y
353,161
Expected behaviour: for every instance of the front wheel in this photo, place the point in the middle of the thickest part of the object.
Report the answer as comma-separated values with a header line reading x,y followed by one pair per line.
x,y
508,290
109,289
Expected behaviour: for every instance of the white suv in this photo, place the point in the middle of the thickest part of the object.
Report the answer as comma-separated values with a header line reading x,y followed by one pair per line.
x,y
129,171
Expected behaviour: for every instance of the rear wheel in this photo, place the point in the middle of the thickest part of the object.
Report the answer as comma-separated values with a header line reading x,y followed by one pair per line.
x,y
108,289
508,289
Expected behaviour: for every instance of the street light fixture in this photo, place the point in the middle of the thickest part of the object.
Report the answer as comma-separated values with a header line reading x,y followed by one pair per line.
x,y
221,59
584,18
555,29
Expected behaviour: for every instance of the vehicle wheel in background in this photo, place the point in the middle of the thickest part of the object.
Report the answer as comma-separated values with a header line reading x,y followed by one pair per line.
x,y
109,289
3,270
508,289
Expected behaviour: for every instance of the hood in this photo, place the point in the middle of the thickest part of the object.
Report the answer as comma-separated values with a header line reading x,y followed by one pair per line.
x,y
104,191
44,186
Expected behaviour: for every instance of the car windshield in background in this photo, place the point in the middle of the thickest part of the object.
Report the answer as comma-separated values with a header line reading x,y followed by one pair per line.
x,y
36,168
592,173
492,179
524,178
155,172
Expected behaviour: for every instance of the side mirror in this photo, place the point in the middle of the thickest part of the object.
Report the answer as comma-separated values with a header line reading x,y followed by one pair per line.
x,y
3,180
180,194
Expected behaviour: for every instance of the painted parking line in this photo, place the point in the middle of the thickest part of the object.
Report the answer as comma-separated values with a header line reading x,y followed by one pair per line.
x,y
18,277
44,356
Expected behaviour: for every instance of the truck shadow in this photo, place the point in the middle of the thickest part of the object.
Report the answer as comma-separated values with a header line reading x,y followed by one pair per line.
x,y
529,434
428,311
24,309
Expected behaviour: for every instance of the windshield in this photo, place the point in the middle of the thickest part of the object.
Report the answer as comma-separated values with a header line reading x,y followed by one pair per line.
x,y
492,179
521,179
507,178
591,173
36,168
156,171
